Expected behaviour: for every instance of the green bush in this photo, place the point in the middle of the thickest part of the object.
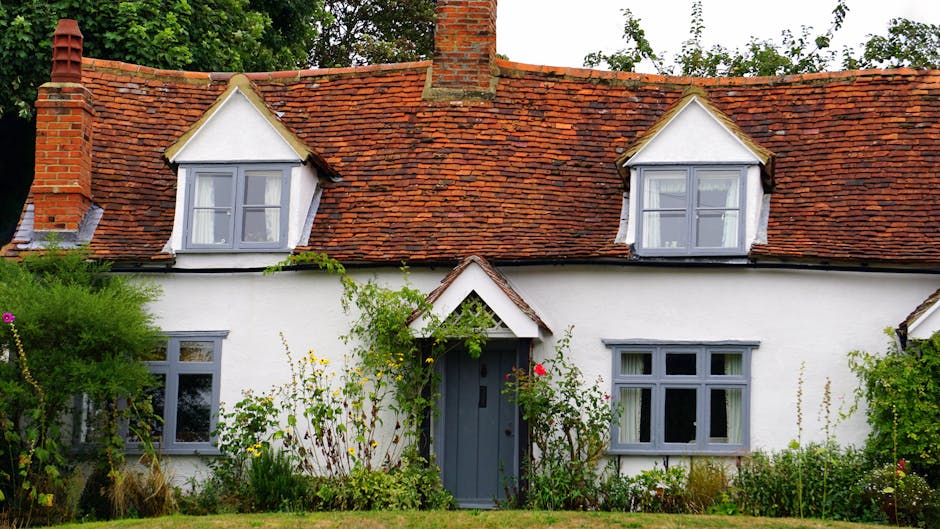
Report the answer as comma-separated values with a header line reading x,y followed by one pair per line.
x,y
655,490
274,483
569,427
830,481
905,499
902,390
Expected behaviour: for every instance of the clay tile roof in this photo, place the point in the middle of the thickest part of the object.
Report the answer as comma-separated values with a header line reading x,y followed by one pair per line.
x,y
243,84
531,175
498,278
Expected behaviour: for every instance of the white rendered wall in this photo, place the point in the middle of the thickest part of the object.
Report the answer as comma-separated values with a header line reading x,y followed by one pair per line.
x,y
798,316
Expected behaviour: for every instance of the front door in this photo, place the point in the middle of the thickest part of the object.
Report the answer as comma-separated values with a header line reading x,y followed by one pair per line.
x,y
477,434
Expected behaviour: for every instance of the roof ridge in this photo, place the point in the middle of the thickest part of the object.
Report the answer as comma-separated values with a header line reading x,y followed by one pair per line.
x,y
507,66
149,71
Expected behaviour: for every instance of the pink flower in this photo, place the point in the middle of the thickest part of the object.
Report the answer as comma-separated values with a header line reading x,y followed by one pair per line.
x,y
606,396
8,317
539,370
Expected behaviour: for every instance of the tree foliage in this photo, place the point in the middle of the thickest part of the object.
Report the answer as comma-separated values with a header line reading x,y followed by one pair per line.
x,y
214,35
360,32
69,329
902,391
908,43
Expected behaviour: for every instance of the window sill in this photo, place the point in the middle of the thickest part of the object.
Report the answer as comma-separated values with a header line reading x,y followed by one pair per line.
x,y
207,450
691,451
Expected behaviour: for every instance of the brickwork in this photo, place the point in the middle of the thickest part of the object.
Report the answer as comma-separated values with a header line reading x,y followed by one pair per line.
x,y
464,45
62,182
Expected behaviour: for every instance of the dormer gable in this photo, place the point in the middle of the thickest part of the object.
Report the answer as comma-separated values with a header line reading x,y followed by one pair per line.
x,y
246,182
697,183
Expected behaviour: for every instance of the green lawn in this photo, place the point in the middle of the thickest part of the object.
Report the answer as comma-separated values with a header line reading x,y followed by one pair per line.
x,y
468,520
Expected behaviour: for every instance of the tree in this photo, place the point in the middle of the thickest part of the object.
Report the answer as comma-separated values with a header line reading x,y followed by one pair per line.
x,y
69,328
908,43
374,31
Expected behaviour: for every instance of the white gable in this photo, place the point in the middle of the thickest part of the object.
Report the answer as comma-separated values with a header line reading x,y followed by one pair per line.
x,y
926,324
475,279
236,132
694,135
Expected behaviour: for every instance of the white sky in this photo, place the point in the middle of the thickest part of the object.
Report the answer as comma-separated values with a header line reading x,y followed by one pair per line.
x,y
562,32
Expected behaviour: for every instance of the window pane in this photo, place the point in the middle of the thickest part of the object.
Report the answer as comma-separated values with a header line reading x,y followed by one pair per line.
x,y
635,415
193,408
213,190
665,190
261,225
680,363
727,364
718,189
191,351
680,413
716,229
262,188
211,226
636,363
157,355
665,229
727,416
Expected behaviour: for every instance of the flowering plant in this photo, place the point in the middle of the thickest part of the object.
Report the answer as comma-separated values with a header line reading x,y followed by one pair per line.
x,y
569,422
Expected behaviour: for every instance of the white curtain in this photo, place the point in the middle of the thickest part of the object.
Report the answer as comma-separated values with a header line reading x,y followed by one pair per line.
x,y
631,401
656,187
272,216
734,402
729,186
204,219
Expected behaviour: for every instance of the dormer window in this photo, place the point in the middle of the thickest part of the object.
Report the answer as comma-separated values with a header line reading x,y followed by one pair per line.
x,y
237,207
693,210
696,185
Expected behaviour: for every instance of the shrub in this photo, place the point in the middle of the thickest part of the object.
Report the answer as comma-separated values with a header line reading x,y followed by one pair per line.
x,y
902,390
904,498
569,427
274,484
654,490
832,480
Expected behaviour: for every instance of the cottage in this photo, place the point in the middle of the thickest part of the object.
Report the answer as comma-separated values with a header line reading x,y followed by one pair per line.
x,y
707,239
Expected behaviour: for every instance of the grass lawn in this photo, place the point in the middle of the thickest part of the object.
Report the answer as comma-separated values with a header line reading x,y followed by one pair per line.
x,y
468,520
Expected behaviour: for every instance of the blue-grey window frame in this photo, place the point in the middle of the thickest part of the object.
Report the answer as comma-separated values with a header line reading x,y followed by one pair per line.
x,y
702,381
237,170
691,208
171,368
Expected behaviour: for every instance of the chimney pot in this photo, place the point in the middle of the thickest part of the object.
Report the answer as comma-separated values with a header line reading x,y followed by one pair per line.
x,y
67,52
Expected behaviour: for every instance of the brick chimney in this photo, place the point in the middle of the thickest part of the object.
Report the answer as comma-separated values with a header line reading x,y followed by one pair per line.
x,y
464,50
61,188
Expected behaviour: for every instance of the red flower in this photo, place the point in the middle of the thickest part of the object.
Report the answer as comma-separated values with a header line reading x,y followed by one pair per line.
x,y
507,377
539,370
902,464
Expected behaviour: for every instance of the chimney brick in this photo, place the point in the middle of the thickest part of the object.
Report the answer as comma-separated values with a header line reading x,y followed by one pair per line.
x,y
61,188
464,49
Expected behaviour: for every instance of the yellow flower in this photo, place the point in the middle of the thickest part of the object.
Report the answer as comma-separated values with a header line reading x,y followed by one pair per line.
x,y
324,361
429,360
352,451
374,444
398,378
336,393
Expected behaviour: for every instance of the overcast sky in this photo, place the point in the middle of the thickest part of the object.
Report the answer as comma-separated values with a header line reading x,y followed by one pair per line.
x,y
562,32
